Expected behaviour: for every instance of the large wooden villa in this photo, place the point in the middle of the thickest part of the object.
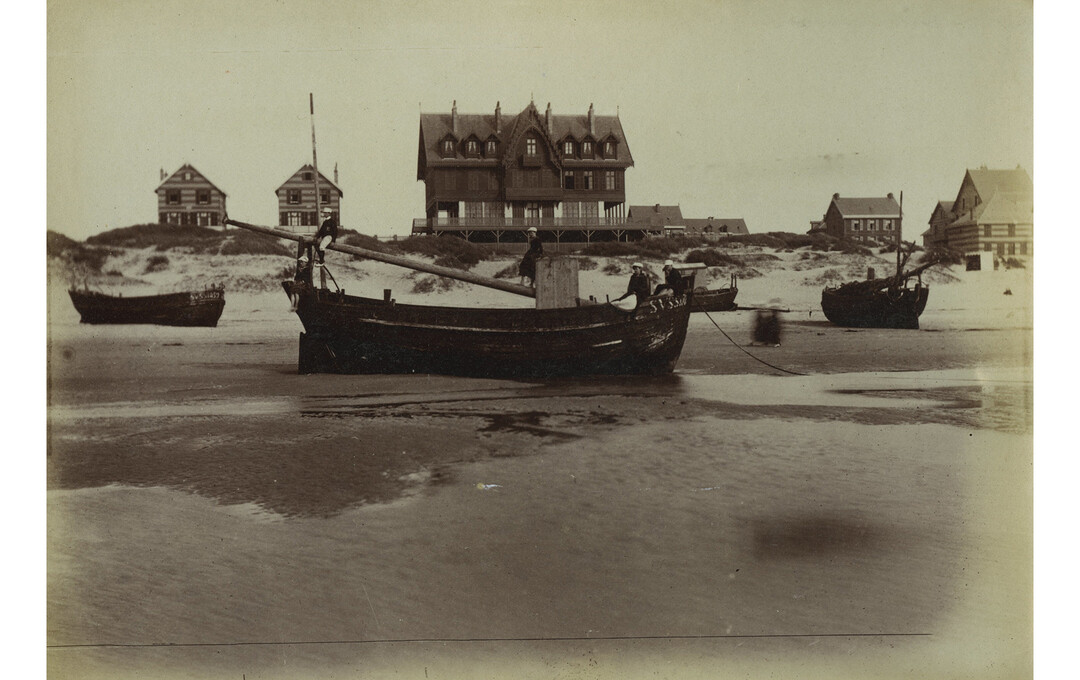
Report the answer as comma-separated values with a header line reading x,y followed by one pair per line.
x,y
489,177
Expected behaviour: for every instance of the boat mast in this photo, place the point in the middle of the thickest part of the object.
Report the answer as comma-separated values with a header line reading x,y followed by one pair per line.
x,y
899,237
315,165
314,155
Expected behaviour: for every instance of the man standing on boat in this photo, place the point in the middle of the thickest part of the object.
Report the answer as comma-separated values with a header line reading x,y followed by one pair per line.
x,y
527,268
326,235
639,284
673,280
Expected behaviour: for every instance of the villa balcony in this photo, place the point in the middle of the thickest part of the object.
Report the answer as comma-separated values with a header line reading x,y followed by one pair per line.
x,y
511,224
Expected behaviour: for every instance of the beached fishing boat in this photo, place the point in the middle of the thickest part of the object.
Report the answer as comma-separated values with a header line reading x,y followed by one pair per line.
x,y
875,304
716,299
351,334
892,302
191,308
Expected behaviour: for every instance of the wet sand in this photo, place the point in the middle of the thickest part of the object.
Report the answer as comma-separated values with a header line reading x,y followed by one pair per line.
x,y
214,514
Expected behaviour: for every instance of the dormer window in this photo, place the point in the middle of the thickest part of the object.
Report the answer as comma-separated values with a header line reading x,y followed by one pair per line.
x,y
568,148
472,148
530,146
448,147
586,149
491,147
609,150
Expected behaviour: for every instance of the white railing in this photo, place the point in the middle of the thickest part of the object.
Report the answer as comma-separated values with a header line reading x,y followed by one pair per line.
x,y
519,223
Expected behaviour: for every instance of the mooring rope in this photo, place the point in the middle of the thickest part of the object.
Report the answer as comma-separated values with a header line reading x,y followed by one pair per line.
x,y
741,348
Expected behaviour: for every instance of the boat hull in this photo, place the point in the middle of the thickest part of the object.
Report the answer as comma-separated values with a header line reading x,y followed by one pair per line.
x,y
349,334
715,300
194,308
880,309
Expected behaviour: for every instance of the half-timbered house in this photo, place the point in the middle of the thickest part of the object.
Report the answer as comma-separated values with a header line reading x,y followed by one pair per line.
x,y
298,210
993,213
187,198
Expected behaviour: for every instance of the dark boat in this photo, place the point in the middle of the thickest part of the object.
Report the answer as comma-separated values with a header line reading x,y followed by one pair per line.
x,y
351,334
715,299
892,302
192,308
860,305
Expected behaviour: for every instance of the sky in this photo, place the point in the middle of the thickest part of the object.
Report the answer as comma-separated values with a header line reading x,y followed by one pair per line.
x,y
753,109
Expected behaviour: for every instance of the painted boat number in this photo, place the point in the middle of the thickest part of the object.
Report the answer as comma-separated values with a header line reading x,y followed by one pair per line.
x,y
670,302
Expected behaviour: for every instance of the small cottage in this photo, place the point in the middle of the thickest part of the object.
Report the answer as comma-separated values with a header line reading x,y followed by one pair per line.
x,y
187,198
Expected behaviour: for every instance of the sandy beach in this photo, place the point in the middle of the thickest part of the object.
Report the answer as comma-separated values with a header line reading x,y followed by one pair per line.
x,y
853,503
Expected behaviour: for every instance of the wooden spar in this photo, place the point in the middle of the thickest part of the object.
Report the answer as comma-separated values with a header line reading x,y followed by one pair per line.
x,y
448,272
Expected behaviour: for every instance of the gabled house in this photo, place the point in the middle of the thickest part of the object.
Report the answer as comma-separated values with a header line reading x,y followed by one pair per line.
x,y
942,217
657,219
488,178
993,212
296,199
874,219
187,198
716,227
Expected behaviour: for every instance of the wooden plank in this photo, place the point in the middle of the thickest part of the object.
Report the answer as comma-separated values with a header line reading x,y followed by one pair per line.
x,y
556,282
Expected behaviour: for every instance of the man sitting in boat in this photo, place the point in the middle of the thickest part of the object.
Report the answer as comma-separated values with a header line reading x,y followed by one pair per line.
x,y
673,280
326,235
300,279
639,284
527,268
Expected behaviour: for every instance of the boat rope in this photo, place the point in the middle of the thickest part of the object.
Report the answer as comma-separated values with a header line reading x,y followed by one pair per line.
x,y
743,349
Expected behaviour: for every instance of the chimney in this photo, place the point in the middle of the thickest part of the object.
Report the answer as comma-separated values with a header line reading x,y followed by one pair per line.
x,y
592,129
335,173
498,119
163,174
836,197
891,196
453,118
656,208
547,117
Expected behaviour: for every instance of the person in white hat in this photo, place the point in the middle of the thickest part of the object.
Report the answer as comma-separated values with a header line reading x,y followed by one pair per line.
x,y
673,280
301,279
639,284
527,267
326,235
